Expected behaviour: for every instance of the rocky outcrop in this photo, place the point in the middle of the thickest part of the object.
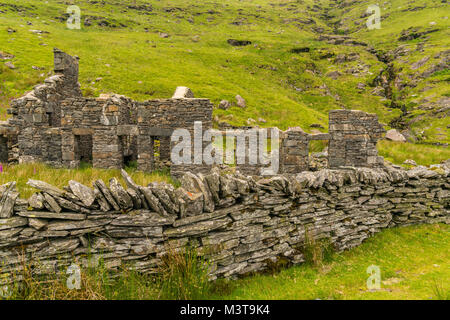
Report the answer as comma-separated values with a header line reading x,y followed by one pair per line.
x,y
183,93
242,223
240,102
341,39
224,105
414,33
239,43
394,135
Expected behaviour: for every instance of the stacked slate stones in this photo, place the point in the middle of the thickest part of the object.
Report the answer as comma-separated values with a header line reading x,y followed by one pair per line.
x,y
241,223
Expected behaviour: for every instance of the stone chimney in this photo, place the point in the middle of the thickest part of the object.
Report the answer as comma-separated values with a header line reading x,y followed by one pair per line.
x,y
67,66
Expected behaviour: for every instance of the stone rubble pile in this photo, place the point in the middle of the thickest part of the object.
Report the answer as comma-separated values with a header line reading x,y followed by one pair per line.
x,y
241,223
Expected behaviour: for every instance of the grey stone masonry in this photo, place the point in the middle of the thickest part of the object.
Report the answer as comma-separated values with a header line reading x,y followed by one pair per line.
x,y
241,223
295,150
353,142
67,66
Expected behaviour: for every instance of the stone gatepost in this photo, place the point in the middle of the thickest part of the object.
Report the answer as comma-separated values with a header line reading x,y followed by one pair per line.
x,y
294,151
68,148
145,158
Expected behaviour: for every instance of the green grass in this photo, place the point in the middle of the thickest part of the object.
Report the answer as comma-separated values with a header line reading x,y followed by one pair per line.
x,y
211,67
414,263
398,152
184,275
60,177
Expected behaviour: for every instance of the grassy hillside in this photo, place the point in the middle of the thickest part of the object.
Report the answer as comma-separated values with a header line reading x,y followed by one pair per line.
x,y
291,74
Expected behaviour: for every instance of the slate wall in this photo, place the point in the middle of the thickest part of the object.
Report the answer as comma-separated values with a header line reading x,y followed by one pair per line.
x,y
242,223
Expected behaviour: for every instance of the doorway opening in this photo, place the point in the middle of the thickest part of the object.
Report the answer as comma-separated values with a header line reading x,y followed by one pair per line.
x,y
129,151
3,149
83,149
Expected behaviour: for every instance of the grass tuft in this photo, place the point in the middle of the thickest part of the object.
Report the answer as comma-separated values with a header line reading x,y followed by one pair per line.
x,y
316,251
184,275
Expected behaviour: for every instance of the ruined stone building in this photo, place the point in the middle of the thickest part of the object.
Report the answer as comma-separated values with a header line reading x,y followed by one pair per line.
x,y
56,125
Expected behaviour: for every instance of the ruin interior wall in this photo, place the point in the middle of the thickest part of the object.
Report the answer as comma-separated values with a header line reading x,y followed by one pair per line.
x,y
242,224
353,139
157,119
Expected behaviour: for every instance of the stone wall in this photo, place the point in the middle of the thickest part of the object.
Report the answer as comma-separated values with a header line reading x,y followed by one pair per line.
x,y
42,105
9,148
242,223
67,66
37,116
4,152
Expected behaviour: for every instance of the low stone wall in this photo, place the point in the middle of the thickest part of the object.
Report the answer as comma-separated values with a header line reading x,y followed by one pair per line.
x,y
241,223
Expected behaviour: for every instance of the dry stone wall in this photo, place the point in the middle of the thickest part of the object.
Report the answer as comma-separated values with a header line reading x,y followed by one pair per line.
x,y
242,223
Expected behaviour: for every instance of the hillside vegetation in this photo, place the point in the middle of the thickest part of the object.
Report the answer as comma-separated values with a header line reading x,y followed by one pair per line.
x,y
306,57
